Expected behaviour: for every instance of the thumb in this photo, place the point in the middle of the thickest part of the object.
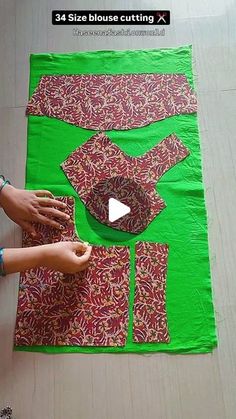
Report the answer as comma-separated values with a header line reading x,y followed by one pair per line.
x,y
25,225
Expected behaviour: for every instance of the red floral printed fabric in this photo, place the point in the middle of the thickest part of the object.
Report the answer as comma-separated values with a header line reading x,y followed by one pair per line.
x,y
150,323
87,309
105,102
99,160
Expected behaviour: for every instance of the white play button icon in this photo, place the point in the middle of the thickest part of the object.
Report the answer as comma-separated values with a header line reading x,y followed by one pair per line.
x,y
116,210
121,204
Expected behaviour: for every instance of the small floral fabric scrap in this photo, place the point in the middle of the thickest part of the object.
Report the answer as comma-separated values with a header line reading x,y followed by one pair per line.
x,y
106,102
150,322
86,309
99,159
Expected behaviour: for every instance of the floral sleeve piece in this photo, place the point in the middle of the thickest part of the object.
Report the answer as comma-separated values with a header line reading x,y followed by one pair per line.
x,y
86,309
150,321
106,102
162,157
100,163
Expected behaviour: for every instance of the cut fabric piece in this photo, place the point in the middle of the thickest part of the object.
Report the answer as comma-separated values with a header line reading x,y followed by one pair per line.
x,y
86,309
100,169
150,322
105,102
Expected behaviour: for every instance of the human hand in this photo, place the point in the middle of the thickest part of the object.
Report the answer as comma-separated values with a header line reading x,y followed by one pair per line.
x,y
24,207
66,257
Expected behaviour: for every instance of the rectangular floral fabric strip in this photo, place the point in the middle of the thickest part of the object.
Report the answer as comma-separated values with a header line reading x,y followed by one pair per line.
x,y
86,309
150,322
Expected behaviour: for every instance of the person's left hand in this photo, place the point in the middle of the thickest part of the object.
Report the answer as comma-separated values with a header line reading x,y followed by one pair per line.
x,y
24,207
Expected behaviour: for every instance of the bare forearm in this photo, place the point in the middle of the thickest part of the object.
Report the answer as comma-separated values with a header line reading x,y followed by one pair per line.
x,y
66,257
16,260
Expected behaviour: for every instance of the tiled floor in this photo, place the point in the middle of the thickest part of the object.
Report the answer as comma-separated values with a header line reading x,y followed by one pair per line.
x,y
81,386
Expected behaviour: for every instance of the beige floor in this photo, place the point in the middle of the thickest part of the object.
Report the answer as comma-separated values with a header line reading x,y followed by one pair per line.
x,y
128,387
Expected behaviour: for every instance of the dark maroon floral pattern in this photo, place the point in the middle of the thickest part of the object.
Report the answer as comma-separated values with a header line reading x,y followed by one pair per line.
x,y
47,234
105,102
150,323
86,309
99,160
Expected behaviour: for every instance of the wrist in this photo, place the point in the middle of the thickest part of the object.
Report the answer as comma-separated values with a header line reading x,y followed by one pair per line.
x,y
5,194
40,255
2,269
43,257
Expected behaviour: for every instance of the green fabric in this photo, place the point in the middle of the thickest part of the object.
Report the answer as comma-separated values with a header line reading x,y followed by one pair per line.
x,y
182,225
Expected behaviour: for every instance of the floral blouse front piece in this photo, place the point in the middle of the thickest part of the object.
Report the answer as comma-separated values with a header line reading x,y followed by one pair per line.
x,y
86,309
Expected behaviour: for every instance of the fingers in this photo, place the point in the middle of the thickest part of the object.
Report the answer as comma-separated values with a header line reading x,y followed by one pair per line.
x,y
25,225
47,202
43,193
82,262
79,246
47,221
85,257
54,212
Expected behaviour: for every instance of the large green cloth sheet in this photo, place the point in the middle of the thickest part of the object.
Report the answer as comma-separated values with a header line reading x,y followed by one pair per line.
x,y
182,224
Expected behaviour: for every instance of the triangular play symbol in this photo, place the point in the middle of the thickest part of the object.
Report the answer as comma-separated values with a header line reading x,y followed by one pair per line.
x,y
116,209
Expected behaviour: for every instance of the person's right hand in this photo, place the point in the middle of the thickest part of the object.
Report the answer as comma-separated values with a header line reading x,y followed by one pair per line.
x,y
66,257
